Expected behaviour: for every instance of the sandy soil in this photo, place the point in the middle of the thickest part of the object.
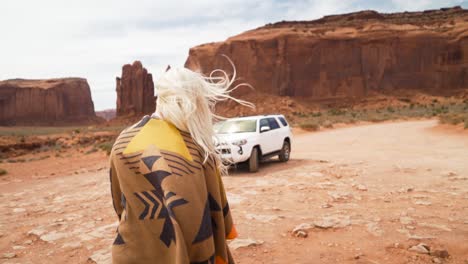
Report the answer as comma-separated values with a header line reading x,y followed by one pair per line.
x,y
363,194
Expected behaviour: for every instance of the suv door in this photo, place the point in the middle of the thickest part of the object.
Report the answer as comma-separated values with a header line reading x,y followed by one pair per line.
x,y
275,129
266,137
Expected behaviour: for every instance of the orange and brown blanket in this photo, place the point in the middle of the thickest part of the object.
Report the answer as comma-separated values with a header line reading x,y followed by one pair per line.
x,y
172,207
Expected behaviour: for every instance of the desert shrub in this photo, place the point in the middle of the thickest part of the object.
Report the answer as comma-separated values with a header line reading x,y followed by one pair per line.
x,y
452,119
106,146
310,125
3,172
328,124
92,150
336,112
466,123
316,114
390,109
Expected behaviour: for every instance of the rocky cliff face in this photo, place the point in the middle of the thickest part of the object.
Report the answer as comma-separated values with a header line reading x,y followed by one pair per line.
x,y
348,56
135,91
46,102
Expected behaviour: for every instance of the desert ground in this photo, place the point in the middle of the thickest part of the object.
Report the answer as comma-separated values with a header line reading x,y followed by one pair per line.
x,y
392,192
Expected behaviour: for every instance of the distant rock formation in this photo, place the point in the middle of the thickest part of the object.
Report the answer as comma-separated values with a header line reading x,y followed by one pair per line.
x,y
348,56
135,91
107,114
46,102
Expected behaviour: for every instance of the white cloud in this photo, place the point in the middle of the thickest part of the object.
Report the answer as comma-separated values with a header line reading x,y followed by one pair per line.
x,y
417,5
93,39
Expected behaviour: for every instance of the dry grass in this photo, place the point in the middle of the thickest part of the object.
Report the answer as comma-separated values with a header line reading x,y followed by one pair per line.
x,y
447,113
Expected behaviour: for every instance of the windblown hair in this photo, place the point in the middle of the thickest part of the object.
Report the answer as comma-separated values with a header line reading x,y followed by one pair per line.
x,y
187,100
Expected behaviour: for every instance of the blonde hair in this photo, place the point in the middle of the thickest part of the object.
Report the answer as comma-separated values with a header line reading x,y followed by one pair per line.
x,y
187,100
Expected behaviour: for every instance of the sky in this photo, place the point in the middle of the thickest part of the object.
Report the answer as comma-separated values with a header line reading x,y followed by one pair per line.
x,y
93,39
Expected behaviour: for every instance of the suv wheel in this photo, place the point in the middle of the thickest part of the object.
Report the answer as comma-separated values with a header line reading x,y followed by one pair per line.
x,y
285,152
253,160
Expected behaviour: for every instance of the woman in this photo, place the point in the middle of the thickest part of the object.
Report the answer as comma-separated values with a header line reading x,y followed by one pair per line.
x,y
166,177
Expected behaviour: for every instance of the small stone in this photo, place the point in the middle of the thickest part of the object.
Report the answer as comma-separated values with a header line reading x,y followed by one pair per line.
x,y
449,173
248,242
18,247
440,253
19,210
406,220
9,255
361,187
52,236
72,245
301,233
37,232
302,227
420,248
101,257
28,242
419,202
436,260
327,205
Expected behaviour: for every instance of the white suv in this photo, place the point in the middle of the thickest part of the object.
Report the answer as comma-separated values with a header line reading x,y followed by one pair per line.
x,y
253,138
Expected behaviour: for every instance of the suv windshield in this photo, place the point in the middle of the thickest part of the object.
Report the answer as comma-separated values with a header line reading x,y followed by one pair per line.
x,y
236,126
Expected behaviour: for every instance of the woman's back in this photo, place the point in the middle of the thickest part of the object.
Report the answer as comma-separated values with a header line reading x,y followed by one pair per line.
x,y
171,205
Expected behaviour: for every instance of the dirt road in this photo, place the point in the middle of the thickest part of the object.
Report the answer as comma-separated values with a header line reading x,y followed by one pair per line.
x,y
366,194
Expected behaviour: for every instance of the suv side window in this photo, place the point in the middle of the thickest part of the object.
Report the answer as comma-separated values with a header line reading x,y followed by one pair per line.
x,y
283,121
273,123
264,122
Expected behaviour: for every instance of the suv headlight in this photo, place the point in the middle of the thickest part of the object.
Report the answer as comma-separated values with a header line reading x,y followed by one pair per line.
x,y
239,142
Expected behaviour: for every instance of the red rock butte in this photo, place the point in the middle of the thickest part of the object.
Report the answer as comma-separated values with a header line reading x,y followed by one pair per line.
x,y
348,56
46,102
135,91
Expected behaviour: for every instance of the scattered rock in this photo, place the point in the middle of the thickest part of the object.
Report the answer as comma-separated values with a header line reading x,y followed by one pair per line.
x,y
301,233
248,242
302,230
449,174
19,210
420,248
406,220
72,245
262,218
340,196
436,226
419,202
440,253
9,255
18,247
406,189
37,232
332,222
102,256
361,187
52,236
374,229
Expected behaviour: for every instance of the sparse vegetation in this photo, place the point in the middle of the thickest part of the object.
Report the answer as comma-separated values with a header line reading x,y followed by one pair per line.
x,y
448,113
38,131
106,146
310,125
3,172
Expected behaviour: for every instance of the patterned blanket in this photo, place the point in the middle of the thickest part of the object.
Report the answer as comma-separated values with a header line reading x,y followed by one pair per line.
x,y
172,207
